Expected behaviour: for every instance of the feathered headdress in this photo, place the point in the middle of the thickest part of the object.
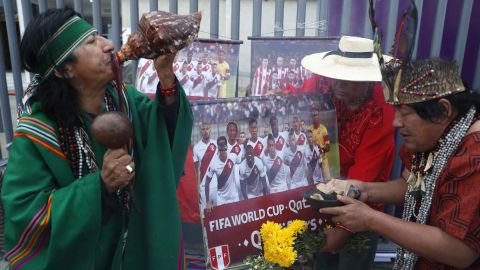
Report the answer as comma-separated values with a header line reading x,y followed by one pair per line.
x,y
410,81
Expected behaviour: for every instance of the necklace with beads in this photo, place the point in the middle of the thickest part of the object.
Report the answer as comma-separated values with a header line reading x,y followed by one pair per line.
x,y
75,144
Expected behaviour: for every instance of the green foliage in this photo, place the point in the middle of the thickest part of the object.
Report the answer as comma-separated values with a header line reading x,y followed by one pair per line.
x,y
309,242
306,244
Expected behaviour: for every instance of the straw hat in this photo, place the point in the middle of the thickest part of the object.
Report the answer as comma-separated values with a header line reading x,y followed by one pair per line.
x,y
353,61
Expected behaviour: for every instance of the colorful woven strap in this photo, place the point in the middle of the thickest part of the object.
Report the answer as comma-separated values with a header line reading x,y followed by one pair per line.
x,y
62,43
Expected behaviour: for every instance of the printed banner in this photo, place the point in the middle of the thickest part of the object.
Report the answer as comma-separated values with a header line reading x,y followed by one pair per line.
x,y
276,64
239,227
208,68
253,159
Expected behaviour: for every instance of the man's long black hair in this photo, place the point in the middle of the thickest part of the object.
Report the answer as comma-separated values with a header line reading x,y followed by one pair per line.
x,y
58,99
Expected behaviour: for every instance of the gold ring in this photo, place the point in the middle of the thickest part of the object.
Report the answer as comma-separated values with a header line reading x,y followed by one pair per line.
x,y
129,168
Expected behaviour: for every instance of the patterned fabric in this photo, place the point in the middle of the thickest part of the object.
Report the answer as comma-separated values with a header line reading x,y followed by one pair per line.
x,y
62,43
366,141
455,204
39,132
32,240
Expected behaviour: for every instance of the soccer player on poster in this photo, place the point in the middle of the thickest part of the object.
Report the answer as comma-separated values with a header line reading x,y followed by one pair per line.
x,y
213,81
257,144
147,78
203,153
321,138
206,67
198,79
262,79
184,78
277,172
293,68
223,68
313,161
281,72
299,135
252,175
236,149
294,159
280,137
222,167
191,64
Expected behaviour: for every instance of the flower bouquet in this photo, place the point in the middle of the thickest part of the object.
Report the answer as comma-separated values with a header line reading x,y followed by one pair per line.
x,y
285,247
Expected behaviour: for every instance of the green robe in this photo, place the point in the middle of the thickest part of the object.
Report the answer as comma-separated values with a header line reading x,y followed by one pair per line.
x,y
53,221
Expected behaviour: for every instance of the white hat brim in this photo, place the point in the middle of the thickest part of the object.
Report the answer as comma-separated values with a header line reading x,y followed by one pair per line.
x,y
333,67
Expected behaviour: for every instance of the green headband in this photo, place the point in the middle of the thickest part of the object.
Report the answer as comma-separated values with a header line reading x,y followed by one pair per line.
x,y
62,43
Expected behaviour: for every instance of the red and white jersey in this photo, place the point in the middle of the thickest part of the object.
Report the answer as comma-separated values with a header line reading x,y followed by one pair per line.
x,y
301,139
296,163
258,146
254,173
312,155
281,77
177,66
179,72
147,77
281,141
184,79
204,154
278,173
212,84
236,149
206,68
198,84
227,191
263,80
191,65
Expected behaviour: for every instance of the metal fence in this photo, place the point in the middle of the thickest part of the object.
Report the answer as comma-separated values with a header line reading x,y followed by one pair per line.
x,y
447,28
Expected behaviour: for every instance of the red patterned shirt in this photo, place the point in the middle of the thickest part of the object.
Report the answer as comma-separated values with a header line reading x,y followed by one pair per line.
x,y
455,203
366,140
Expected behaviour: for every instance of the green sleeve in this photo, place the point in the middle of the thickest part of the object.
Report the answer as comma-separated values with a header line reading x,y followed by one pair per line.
x,y
151,130
48,226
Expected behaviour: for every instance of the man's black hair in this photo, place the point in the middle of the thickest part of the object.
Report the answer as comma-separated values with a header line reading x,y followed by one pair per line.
x,y
58,99
433,111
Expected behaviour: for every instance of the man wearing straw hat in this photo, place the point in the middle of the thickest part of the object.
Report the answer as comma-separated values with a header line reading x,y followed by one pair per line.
x,y
365,133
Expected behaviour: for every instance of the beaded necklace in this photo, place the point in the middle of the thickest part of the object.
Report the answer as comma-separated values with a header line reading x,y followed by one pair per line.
x,y
75,144
423,178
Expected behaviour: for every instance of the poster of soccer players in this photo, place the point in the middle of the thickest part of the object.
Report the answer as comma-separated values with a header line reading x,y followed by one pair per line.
x,y
276,64
254,159
207,68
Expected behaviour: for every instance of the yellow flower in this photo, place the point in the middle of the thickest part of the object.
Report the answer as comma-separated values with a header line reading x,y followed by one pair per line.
x,y
297,227
278,242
